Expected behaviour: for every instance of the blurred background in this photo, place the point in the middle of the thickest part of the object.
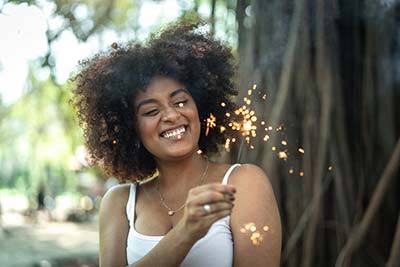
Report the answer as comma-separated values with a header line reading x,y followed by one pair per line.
x,y
320,77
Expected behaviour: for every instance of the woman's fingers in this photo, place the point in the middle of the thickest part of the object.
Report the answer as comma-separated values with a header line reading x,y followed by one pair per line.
x,y
208,209
205,205
222,188
209,197
215,216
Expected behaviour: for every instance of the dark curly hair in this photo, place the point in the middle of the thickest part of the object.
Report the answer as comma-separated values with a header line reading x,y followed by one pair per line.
x,y
106,84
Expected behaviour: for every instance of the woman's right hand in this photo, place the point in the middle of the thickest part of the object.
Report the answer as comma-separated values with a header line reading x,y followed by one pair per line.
x,y
196,220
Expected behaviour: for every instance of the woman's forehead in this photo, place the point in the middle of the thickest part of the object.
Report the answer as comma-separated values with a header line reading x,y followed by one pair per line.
x,y
162,84
161,87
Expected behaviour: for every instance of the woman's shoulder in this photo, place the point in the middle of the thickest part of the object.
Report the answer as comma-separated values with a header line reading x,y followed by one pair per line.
x,y
117,196
249,175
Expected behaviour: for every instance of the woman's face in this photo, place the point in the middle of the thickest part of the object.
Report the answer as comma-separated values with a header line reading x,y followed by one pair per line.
x,y
167,120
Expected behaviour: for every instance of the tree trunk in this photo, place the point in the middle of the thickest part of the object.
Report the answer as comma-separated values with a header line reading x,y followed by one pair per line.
x,y
330,71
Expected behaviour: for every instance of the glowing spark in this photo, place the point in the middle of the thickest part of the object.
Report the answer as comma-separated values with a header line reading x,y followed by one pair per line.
x,y
270,128
291,171
247,126
301,174
330,168
262,122
266,137
247,226
284,142
254,86
222,129
249,92
227,114
273,148
264,97
210,123
282,155
233,140
251,147
279,129
248,102
223,104
256,238
114,142
301,150
180,105
227,143
254,119
199,152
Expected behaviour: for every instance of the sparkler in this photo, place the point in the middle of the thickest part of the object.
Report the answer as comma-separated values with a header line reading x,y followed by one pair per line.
x,y
246,123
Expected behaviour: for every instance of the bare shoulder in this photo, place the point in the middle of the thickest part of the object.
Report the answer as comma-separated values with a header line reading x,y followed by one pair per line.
x,y
249,176
116,197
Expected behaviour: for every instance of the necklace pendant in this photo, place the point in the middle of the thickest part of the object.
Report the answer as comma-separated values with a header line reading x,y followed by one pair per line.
x,y
171,212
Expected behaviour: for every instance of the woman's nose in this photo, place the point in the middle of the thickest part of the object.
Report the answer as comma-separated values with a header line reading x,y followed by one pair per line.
x,y
170,114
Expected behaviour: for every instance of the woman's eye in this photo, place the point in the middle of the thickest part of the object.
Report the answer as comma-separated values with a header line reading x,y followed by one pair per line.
x,y
152,112
181,103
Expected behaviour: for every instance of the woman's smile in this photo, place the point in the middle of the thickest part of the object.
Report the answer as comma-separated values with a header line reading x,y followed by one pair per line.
x,y
175,133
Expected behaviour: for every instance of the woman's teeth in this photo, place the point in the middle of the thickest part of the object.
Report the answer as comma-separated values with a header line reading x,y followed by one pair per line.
x,y
177,133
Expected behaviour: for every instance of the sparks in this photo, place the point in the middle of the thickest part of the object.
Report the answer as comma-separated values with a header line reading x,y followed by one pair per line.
x,y
210,123
282,155
247,126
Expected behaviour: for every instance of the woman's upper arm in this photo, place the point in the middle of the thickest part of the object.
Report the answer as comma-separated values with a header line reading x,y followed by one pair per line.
x,y
255,219
113,227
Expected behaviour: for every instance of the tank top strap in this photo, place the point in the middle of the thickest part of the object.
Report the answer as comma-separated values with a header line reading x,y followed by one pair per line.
x,y
228,173
130,206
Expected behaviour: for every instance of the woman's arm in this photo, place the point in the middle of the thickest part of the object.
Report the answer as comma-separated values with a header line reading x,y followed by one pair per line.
x,y
173,248
255,220
113,227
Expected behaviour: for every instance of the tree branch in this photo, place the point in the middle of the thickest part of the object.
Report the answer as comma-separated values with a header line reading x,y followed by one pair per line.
x,y
361,229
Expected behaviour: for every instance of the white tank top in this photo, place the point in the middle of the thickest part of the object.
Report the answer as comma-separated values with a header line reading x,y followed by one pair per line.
x,y
214,249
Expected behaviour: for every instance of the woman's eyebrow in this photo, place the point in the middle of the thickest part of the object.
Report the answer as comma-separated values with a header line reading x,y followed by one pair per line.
x,y
178,91
144,102
152,100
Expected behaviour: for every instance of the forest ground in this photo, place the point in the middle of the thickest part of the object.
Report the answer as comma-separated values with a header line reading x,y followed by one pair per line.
x,y
43,243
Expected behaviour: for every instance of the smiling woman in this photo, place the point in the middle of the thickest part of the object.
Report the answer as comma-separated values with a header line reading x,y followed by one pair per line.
x,y
144,108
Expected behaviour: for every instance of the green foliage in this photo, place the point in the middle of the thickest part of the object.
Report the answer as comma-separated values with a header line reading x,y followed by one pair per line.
x,y
39,138
39,134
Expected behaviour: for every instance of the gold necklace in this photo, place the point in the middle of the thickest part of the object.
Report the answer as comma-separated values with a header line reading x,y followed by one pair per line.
x,y
171,212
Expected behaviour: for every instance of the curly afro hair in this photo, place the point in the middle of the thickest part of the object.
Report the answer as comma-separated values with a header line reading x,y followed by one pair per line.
x,y
106,85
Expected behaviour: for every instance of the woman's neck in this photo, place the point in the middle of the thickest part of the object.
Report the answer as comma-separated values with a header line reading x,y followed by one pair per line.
x,y
186,172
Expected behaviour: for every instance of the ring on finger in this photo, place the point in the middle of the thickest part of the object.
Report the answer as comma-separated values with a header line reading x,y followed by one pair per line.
x,y
207,208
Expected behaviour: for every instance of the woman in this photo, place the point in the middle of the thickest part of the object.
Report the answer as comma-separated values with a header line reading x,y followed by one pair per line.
x,y
144,112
